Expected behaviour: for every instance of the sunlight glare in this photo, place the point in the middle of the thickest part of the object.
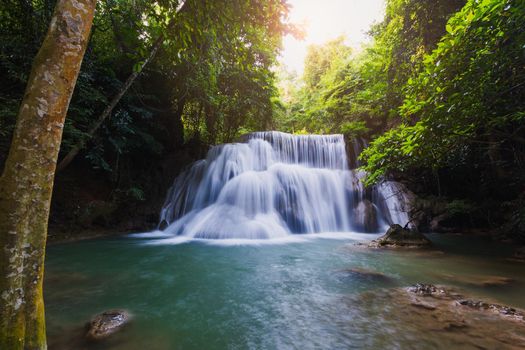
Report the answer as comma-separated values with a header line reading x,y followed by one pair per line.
x,y
326,20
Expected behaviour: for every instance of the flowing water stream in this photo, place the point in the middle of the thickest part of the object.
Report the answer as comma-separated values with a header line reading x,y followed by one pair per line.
x,y
256,250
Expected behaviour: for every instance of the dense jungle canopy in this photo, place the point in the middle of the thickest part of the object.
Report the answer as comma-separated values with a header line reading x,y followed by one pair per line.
x,y
439,94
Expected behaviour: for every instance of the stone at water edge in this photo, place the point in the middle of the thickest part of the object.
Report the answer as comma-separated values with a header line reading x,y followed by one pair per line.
x,y
452,320
427,290
440,293
397,236
107,323
478,280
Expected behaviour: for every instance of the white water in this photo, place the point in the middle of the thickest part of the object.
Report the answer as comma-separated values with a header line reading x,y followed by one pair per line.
x,y
275,185
161,238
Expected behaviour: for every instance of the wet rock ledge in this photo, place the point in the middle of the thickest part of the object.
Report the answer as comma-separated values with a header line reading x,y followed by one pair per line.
x,y
397,237
439,297
462,321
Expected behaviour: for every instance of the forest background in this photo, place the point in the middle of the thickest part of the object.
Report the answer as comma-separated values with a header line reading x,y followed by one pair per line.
x,y
438,94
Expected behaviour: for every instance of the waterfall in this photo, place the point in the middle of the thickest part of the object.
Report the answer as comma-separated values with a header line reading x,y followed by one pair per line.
x,y
276,184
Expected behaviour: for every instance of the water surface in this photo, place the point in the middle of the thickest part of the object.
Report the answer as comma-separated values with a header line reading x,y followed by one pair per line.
x,y
292,295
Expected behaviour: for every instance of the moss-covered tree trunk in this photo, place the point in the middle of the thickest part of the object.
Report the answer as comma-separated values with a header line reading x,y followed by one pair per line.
x,y
27,181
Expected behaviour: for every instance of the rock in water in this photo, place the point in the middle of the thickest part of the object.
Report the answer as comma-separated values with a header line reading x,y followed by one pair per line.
x,y
460,321
440,293
479,281
504,311
365,274
426,290
397,236
107,323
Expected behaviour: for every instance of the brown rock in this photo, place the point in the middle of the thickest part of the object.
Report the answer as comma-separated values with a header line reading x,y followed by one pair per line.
x,y
107,323
505,311
422,304
479,281
426,290
397,236
443,318
359,272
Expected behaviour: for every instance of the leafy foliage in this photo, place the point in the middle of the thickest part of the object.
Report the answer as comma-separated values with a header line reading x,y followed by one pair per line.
x,y
440,93
210,81
341,87
468,98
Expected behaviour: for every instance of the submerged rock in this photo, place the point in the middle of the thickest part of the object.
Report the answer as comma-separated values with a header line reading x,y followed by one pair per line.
x,y
107,323
479,281
397,236
365,274
428,316
505,311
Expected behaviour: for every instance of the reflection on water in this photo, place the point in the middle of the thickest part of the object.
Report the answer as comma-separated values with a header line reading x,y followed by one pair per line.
x,y
308,294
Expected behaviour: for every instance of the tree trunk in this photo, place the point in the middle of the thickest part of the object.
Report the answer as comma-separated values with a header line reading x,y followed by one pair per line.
x,y
116,99
27,181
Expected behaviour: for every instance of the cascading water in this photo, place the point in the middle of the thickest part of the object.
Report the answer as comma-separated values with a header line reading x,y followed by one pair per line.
x,y
277,184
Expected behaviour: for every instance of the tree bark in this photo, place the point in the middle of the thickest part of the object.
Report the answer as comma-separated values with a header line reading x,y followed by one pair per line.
x,y
116,99
27,181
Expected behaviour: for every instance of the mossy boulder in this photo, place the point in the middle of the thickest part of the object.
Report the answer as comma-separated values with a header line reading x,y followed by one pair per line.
x,y
397,236
107,323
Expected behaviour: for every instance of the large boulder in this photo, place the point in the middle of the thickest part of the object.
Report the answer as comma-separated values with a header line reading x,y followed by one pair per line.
x,y
107,323
397,236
